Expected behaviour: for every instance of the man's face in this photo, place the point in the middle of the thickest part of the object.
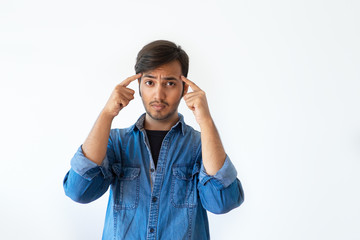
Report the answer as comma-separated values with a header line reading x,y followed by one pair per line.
x,y
161,91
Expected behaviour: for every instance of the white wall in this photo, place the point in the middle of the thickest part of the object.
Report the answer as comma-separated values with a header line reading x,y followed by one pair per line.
x,y
282,81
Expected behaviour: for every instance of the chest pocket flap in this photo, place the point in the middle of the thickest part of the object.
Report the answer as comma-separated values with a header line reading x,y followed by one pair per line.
x,y
185,172
125,173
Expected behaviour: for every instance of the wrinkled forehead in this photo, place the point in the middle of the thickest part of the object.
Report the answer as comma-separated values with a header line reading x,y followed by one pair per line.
x,y
165,71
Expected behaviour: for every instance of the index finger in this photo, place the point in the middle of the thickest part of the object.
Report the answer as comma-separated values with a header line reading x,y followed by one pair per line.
x,y
127,81
190,83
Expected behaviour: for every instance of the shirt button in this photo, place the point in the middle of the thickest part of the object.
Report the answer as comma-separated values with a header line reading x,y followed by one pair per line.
x,y
154,199
152,170
152,230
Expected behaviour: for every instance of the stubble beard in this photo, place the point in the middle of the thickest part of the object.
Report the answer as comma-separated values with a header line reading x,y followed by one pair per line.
x,y
161,117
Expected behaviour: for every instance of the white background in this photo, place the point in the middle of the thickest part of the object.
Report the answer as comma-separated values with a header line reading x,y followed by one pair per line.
x,y
282,80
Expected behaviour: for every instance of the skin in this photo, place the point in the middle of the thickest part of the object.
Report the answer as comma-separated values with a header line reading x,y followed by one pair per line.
x,y
161,92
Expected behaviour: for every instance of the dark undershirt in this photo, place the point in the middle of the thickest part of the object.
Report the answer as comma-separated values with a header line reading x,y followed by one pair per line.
x,y
155,140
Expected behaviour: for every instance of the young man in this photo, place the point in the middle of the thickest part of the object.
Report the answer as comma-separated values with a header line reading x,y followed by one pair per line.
x,y
163,174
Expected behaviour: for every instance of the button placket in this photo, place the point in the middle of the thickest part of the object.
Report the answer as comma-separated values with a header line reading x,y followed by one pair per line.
x,y
158,178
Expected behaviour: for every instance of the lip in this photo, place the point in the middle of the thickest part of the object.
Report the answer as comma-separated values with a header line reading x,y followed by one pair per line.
x,y
158,107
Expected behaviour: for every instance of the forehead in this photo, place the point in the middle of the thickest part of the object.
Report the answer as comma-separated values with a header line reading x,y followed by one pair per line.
x,y
171,68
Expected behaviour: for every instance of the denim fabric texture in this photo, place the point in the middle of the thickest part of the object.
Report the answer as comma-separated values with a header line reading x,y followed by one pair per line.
x,y
170,202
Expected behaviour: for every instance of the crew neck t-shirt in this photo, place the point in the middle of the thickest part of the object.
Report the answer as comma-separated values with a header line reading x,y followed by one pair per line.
x,y
155,140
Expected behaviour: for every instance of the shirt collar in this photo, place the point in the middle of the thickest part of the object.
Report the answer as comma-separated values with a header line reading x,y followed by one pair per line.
x,y
140,123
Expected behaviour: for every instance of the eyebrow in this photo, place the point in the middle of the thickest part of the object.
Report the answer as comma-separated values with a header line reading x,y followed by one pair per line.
x,y
164,78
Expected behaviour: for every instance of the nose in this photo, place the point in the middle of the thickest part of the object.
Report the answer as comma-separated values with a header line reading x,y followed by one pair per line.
x,y
159,92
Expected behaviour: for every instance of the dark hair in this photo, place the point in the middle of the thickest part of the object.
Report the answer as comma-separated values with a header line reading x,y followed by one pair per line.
x,y
160,52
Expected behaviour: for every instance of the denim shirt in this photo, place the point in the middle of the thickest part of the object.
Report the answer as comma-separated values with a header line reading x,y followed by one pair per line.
x,y
167,203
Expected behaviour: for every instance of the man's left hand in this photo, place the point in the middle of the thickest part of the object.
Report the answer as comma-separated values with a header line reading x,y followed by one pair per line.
x,y
196,101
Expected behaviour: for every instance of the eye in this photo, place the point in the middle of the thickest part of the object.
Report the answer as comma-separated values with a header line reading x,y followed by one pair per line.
x,y
149,83
170,83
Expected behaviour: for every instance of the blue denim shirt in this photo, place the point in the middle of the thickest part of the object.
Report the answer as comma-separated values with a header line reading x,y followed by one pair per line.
x,y
167,203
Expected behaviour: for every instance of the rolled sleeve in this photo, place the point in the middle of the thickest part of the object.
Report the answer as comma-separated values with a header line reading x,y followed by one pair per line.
x,y
87,168
223,178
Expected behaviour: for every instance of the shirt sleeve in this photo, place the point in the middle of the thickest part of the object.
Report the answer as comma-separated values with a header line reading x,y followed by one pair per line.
x,y
221,192
223,178
87,168
86,181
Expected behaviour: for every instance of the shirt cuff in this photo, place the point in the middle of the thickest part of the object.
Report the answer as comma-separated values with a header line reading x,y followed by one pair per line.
x,y
87,168
223,178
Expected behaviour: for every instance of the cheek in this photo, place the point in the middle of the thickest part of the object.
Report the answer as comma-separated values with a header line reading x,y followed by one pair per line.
x,y
145,94
176,95
141,89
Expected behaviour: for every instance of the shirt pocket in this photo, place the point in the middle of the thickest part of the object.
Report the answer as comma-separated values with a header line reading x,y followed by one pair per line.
x,y
127,187
183,192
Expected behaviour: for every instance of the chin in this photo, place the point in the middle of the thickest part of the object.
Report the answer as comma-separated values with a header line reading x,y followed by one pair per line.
x,y
159,116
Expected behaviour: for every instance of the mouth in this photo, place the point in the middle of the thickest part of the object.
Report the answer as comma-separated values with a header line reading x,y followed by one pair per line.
x,y
158,107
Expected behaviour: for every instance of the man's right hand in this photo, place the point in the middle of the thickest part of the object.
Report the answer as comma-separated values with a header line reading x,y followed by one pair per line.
x,y
120,97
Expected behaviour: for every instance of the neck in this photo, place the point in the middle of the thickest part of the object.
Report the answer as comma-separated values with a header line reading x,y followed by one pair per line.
x,y
161,125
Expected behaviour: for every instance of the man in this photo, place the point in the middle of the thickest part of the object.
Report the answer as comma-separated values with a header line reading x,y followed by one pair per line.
x,y
163,174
